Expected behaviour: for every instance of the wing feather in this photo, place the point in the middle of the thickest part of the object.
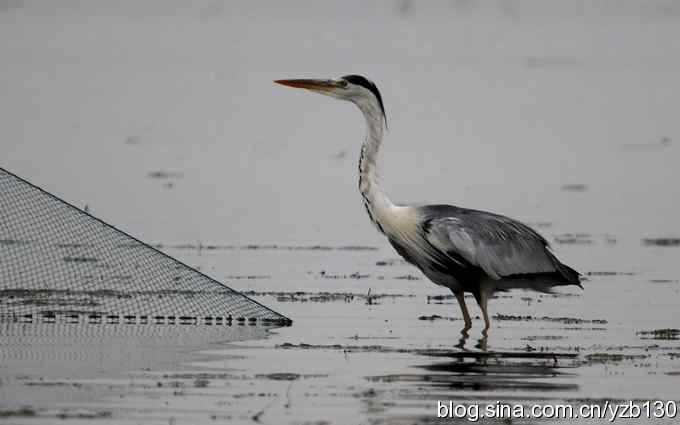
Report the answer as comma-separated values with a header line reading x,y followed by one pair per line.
x,y
499,245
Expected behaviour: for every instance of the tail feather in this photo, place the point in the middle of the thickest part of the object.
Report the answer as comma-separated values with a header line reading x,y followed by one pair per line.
x,y
539,282
570,275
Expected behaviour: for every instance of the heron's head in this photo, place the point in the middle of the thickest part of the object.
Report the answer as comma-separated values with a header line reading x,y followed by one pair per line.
x,y
354,88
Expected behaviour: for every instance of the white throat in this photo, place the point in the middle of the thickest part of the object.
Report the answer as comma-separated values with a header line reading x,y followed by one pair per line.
x,y
378,205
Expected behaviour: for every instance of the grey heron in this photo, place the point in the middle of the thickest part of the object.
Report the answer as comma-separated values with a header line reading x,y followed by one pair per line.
x,y
462,249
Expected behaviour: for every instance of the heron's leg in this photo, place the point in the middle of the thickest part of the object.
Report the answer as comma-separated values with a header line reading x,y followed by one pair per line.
x,y
466,315
483,300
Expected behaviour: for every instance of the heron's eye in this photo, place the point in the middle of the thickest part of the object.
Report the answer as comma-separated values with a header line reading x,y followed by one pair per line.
x,y
343,84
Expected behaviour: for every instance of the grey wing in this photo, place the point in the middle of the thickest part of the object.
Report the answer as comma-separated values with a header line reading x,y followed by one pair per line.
x,y
499,245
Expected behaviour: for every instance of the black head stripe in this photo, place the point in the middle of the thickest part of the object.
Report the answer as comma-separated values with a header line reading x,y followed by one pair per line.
x,y
367,84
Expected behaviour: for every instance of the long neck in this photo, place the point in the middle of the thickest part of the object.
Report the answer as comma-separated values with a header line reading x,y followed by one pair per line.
x,y
375,200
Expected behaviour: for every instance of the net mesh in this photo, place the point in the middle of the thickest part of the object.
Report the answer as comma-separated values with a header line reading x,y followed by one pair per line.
x,y
59,263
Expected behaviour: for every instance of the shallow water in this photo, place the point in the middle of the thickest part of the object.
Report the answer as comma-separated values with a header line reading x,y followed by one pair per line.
x,y
163,120
387,360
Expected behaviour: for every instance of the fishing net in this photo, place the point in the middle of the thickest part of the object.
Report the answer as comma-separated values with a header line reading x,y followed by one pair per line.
x,y
60,264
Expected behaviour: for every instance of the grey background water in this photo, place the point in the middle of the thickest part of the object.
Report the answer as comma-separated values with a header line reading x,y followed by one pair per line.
x,y
162,118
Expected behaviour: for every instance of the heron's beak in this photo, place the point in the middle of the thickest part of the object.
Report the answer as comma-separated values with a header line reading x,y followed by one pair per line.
x,y
319,86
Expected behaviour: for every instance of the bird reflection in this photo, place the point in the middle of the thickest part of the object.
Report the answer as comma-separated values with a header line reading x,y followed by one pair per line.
x,y
492,370
482,343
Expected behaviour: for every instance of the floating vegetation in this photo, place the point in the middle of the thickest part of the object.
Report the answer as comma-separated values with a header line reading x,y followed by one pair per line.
x,y
407,277
43,383
275,247
354,276
27,412
24,412
574,239
543,338
437,299
199,376
265,247
357,248
390,262
247,277
661,241
662,334
609,273
434,317
281,376
201,383
84,414
302,296
562,320
196,247
613,357
287,376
